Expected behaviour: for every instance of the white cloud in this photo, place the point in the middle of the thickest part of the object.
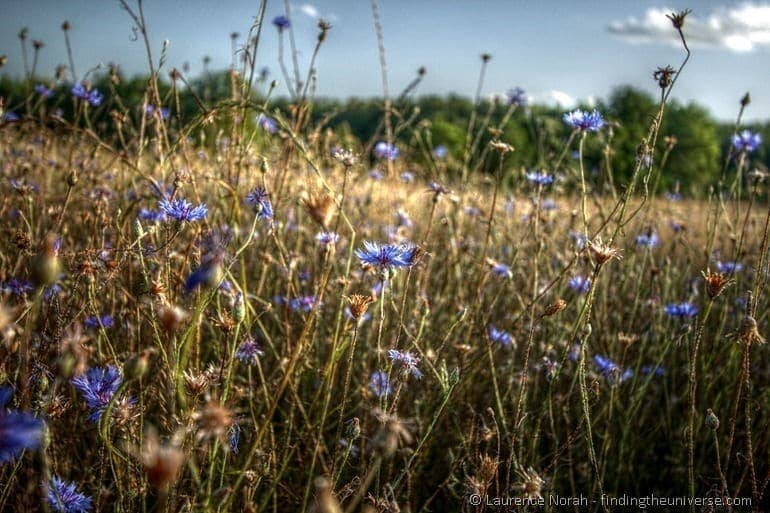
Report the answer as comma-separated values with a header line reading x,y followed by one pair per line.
x,y
309,10
741,28
555,98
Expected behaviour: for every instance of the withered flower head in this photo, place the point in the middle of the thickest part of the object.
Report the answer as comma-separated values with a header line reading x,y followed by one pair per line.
x,y
213,421
346,157
65,26
196,382
530,484
555,308
485,57
359,304
326,502
748,333
716,283
664,76
161,463
171,317
745,100
603,252
320,207
500,146
677,18
392,433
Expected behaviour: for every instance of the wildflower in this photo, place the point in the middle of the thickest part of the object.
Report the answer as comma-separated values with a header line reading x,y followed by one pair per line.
x,y
501,270
17,287
10,117
150,111
249,351
516,96
182,210
611,370
440,152
64,497
281,22
539,178
677,18
209,273
104,321
655,370
407,361
404,219
387,151
649,240
729,267
43,91
213,421
682,310
602,252
531,484
437,189
715,283
97,386
379,384
407,177
234,438
376,174
93,96
580,284
385,256
501,337
500,147
584,121
267,124
346,157
359,305
327,238
260,201
19,430
153,216
747,141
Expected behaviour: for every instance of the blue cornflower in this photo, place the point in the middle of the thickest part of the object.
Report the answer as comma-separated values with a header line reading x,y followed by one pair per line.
x,y
303,303
437,188
349,314
93,96
376,174
43,91
234,435
501,270
327,238
387,151
584,121
249,351
182,210
17,287
209,273
407,177
472,211
267,124
281,22
153,216
729,267
580,284
104,321
385,256
10,117
150,111
539,178
440,152
379,384
747,141
579,238
548,204
683,310
97,386
259,199
64,497
407,361
516,96
19,430
611,370
648,240
655,370
501,337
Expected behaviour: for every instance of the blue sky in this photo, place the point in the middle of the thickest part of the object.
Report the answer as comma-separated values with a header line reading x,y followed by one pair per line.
x,y
558,51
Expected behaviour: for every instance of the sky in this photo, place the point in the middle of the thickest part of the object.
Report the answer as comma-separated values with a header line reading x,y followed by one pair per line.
x,y
559,52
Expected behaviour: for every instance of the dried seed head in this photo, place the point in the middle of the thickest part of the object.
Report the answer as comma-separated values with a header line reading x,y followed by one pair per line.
x,y
530,484
748,333
171,317
500,146
346,157
670,141
321,208
359,304
745,100
555,308
485,57
664,76
392,433
162,463
213,421
603,252
66,26
712,421
196,382
716,283
677,18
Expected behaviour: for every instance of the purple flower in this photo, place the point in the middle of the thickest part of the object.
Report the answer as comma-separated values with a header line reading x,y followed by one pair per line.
x,y
747,141
386,256
19,430
516,96
539,178
584,121
440,152
17,287
407,177
387,151
93,96
407,361
580,284
267,124
502,270
327,238
249,351
43,91
64,497
150,111
153,216
182,210
104,321
209,273
611,370
10,117
97,386
501,337
376,174
683,310
281,22
648,240
259,199
234,437
379,384
729,267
